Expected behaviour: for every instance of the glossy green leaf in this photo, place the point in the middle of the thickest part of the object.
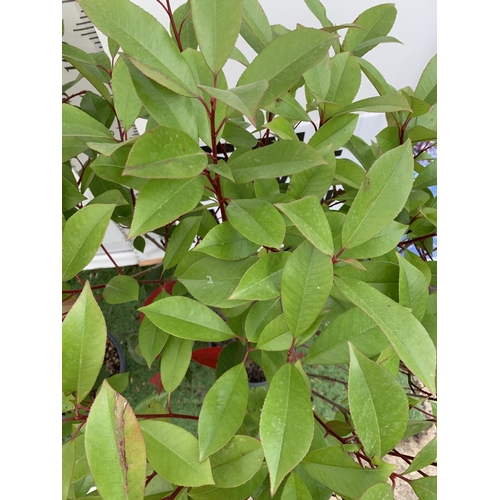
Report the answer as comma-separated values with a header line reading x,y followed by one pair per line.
x,y
121,289
345,79
231,355
333,467
318,78
309,218
335,132
173,453
258,221
226,403
71,195
351,326
388,103
413,288
82,236
165,106
115,447
144,40
78,128
428,176
426,88
255,27
305,286
87,67
174,363
316,181
285,60
151,340
68,465
119,381
382,491
259,316
279,159
262,281
241,492
164,153
127,103
212,281
275,336
426,456
318,9
378,405
377,21
406,334
161,201
425,487
379,244
361,151
188,319
282,128
224,242
245,98
180,241
381,197
98,108
217,25
287,423
237,462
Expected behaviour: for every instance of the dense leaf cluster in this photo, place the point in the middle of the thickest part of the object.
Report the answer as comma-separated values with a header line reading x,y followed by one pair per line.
x,y
299,256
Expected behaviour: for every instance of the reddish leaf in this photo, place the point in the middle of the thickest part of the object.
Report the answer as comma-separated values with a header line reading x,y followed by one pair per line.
x,y
156,381
207,356
167,287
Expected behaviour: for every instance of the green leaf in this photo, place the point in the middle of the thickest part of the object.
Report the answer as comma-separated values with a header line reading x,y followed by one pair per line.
x,y
173,453
119,381
212,281
262,280
427,85
224,242
345,79
288,107
188,319
388,103
78,128
174,363
335,132
237,462
282,128
166,107
144,40
381,197
413,288
255,27
164,153
406,334
275,336
121,289
286,424
378,245
318,9
305,286
161,201
382,491
279,159
115,447
285,60
127,103
225,403
217,25
71,195
68,465
245,98
82,237
331,347
87,66
333,467
361,151
180,241
378,405
258,221
151,340
318,78
231,355
373,42
259,316
425,487
98,108
309,218
425,457
295,489
428,176
416,426
375,77
377,21
182,17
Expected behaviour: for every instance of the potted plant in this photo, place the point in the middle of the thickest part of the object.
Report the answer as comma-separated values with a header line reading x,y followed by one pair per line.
x,y
302,257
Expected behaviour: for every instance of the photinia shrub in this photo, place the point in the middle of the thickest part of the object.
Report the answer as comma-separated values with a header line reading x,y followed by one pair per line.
x,y
299,256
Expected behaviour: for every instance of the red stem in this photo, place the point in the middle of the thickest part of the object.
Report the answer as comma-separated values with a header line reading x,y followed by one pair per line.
x,y
167,415
118,268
